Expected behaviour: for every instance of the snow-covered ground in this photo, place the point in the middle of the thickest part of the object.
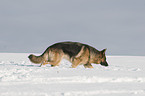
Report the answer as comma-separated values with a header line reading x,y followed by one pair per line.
x,y
125,76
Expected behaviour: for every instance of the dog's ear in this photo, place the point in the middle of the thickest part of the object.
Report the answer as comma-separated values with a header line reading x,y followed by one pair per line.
x,y
104,50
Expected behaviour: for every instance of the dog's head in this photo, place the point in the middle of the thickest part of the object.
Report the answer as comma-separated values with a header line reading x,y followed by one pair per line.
x,y
101,58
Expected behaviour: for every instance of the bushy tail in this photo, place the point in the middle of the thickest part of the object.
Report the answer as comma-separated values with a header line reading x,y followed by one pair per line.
x,y
35,59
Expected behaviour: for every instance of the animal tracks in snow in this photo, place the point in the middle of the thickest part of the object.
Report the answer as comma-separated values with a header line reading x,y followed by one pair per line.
x,y
123,77
84,79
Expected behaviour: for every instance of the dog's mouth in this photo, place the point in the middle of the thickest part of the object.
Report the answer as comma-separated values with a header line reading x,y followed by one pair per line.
x,y
104,64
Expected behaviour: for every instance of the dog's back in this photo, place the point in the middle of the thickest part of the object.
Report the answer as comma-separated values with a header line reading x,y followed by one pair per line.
x,y
70,48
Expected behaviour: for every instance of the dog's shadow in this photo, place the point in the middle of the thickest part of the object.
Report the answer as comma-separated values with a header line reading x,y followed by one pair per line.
x,y
22,64
25,65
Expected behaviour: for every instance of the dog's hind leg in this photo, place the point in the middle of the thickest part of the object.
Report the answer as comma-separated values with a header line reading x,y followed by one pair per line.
x,y
88,65
55,61
55,57
52,63
44,63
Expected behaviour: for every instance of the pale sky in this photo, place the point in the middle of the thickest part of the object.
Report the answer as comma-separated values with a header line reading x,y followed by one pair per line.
x,y
33,25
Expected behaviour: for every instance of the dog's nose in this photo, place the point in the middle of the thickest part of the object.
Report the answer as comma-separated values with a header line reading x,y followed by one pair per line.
x,y
104,64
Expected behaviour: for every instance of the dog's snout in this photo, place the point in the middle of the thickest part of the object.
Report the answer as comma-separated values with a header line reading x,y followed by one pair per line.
x,y
104,64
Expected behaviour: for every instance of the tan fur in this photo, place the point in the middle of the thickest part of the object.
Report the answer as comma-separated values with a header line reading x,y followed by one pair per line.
x,y
53,56
82,59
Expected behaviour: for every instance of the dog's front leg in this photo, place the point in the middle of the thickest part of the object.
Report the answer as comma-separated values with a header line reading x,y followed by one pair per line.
x,y
88,65
75,63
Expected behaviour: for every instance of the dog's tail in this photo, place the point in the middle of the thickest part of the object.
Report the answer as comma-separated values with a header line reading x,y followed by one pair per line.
x,y
36,59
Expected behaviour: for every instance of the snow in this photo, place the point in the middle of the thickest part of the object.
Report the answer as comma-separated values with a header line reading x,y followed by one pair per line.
x,y
123,77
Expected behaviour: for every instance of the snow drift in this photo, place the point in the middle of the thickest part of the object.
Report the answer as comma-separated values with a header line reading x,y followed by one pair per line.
x,y
123,77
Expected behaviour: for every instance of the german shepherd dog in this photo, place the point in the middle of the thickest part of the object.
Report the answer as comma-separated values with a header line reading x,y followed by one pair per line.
x,y
77,53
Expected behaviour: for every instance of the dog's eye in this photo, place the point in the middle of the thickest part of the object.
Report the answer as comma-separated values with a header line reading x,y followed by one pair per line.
x,y
100,57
